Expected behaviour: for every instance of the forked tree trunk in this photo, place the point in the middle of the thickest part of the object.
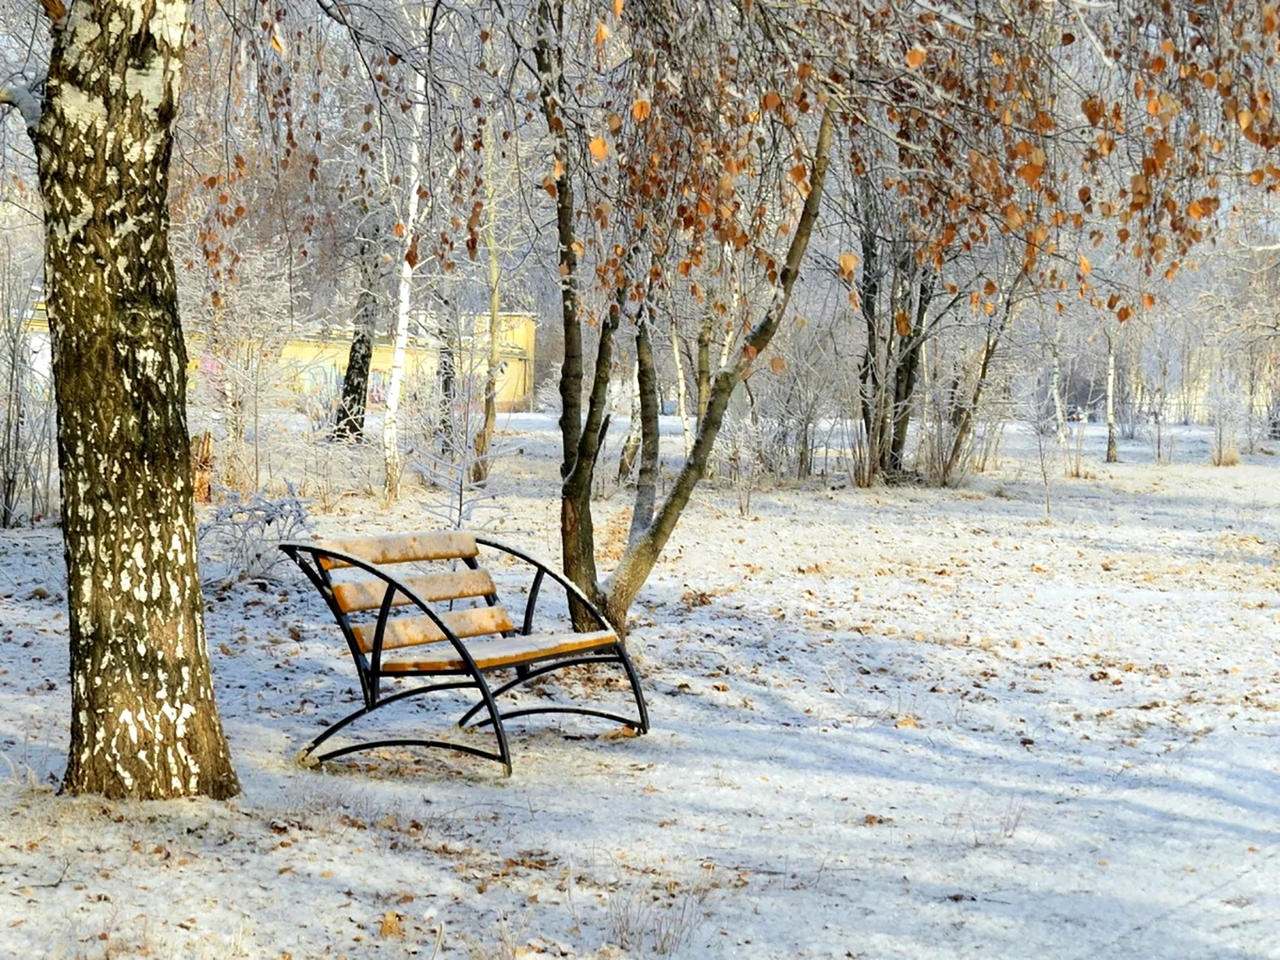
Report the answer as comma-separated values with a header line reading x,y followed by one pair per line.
x,y
143,719
644,549
349,421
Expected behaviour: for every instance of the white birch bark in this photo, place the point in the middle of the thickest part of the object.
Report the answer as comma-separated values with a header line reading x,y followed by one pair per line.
x,y
393,462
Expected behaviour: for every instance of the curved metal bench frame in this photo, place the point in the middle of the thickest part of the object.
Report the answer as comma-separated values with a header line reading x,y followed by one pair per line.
x,y
308,557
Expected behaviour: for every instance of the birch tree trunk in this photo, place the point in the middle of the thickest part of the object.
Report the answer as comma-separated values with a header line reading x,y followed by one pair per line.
x,y
1055,389
393,463
143,723
1113,454
631,445
682,393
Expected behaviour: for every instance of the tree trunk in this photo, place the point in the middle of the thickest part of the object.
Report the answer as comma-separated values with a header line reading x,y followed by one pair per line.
x,y
549,58
908,372
143,719
1113,453
703,382
349,420
393,464
682,392
642,553
647,387
484,437
631,445
1055,389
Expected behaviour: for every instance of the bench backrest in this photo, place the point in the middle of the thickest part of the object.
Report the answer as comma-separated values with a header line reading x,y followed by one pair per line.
x,y
471,610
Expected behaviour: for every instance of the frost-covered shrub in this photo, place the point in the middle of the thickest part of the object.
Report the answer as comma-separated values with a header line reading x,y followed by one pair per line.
x,y
1227,411
239,541
546,398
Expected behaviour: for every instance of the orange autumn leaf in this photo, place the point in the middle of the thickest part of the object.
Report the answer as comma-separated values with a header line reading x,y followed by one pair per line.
x,y
1245,119
640,110
1204,207
903,322
617,8
777,365
1086,267
916,57
602,34
599,149
848,264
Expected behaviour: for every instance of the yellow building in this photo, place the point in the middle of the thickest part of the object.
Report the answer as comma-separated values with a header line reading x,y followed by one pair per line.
x,y
315,359
306,362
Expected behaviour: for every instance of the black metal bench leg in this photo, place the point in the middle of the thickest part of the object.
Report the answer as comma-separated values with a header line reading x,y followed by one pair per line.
x,y
504,751
306,755
634,679
616,654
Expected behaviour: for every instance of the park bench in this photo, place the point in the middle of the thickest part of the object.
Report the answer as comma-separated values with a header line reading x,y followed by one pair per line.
x,y
400,620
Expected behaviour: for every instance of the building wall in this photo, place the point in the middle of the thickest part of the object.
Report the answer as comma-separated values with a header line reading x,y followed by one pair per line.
x,y
309,361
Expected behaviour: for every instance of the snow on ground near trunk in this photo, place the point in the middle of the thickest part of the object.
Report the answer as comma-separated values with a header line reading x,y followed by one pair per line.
x,y
887,723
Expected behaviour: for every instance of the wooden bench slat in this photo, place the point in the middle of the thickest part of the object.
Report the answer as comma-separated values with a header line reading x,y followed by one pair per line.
x,y
401,547
412,631
367,593
507,651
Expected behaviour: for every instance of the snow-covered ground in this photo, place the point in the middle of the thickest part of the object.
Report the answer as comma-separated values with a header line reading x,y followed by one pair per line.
x,y
887,723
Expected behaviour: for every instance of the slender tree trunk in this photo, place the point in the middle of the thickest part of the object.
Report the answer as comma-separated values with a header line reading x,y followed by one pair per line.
x,y
393,464
642,553
908,372
549,58
1055,389
484,437
1113,453
702,384
682,392
143,719
647,388
966,410
631,445
349,421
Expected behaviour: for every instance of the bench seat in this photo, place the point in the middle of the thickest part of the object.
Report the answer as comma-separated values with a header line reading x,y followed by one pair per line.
x,y
494,652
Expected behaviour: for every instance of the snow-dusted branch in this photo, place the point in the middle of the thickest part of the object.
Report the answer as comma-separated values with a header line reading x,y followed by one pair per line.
x,y
23,95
